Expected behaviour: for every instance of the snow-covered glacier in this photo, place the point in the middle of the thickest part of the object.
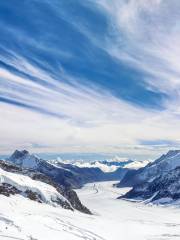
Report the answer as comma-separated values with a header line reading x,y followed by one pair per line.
x,y
112,219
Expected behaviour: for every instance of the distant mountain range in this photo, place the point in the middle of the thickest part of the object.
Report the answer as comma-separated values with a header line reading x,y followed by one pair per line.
x,y
158,182
108,165
73,174
52,181
154,182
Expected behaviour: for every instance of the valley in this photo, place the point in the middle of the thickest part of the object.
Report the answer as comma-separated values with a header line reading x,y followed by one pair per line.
x,y
112,219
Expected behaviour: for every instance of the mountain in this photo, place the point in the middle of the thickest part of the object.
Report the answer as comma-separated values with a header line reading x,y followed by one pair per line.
x,y
107,166
129,179
135,165
160,166
89,174
164,189
68,175
158,182
24,159
71,199
60,173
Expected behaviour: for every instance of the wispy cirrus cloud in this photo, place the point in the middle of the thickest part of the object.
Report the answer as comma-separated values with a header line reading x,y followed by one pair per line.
x,y
146,35
63,88
73,117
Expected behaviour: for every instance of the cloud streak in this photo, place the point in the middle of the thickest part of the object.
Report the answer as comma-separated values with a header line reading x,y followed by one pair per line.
x,y
79,95
146,35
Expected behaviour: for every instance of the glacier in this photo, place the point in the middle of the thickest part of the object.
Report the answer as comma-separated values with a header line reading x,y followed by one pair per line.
x,y
113,219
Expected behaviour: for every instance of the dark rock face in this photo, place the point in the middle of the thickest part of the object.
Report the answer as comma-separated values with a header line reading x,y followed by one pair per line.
x,y
33,196
19,154
74,200
9,167
7,190
129,179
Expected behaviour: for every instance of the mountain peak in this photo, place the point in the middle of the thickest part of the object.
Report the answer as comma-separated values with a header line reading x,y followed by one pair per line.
x,y
19,154
24,159
172,152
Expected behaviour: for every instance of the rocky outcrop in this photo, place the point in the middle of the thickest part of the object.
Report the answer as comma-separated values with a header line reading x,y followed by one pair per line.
x,y
10,167
33,196
74,200
7,190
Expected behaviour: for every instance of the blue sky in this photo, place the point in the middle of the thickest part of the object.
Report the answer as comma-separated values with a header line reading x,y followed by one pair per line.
x,y
89,76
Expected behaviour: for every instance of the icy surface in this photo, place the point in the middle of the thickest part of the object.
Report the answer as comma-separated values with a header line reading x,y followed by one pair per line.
x,y
114,219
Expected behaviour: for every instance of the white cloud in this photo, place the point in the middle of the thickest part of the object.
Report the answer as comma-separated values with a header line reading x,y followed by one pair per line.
x,y
95,120
144,34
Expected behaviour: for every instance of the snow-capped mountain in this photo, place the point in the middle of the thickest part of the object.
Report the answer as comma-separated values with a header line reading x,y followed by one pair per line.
x,y
161,166
71,175
158,182
164,189
137,164
110,165
107,166
45,176
58,172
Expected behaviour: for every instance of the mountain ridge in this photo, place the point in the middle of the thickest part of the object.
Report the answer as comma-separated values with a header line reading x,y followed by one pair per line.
x,y
67,174
158,182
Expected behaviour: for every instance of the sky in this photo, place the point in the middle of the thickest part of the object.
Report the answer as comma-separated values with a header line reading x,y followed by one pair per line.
x,y
90,76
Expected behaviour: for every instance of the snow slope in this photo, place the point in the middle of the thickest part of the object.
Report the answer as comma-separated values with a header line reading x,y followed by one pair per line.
x,y
114,219
48,194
